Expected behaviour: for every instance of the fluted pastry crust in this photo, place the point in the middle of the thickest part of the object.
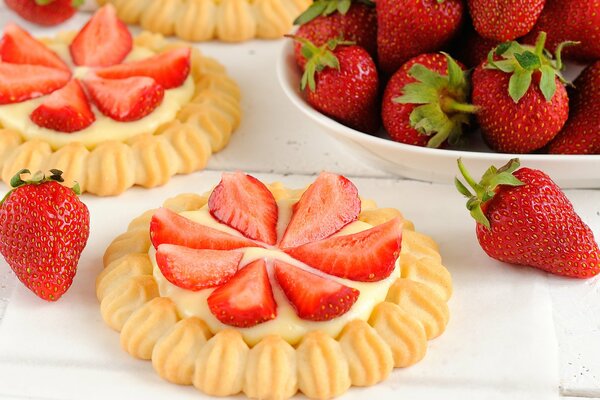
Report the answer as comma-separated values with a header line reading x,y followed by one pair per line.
x,y
202,127
183,351
199,20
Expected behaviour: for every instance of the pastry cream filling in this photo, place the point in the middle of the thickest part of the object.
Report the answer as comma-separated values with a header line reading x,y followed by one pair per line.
x,y
287,324
16,116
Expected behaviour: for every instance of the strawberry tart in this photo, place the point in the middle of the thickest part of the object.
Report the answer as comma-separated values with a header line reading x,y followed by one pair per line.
x,y
269,291
227,20
109,109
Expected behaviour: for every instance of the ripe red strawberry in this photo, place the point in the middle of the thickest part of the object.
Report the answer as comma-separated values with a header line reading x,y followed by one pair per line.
x,y
247,299
503,20
342,82
571,20
171,228
194,269
314,298
125,99
524,218
352,20
103,41
424,103
65,110
522,102
244,203
170,69
19,47
44,12
20,82
367,256
329,204
407,28
44,227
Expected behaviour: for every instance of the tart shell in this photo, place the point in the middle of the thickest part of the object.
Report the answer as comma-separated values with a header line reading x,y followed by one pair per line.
x,y
184,351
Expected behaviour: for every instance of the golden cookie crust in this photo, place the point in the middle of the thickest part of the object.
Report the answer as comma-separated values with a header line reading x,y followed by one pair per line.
x,y
184,351
200,20
181,146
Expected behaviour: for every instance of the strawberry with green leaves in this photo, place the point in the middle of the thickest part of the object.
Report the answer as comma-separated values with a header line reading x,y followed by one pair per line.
x,y
503,20
44,227
425,101
524,218
44,12
521,99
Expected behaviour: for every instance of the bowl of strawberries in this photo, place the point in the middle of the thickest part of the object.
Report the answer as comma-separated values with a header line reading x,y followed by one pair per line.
x,y
411,87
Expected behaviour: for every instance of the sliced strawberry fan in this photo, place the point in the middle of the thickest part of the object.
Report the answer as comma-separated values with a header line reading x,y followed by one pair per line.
x,y
244,296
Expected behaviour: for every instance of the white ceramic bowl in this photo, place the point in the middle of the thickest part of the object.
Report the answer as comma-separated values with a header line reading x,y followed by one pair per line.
x,y
433,165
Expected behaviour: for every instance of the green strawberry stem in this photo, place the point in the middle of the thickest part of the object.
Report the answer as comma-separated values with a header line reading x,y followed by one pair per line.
x,y
37,179
485,190
443,108
327,7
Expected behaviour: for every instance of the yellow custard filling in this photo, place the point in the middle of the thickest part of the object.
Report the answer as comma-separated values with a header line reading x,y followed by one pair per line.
x,y
287,324
16,116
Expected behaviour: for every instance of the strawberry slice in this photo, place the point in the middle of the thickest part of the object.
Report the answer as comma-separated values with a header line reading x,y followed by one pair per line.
x,y
20,82
65,110
194,269
314,298
19,47
103,41
244,203
328,205
125,99
169,227
365,256
169,69
247,299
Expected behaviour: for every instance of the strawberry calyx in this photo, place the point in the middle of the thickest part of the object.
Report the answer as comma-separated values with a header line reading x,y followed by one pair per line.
x,y
485,190
37,179
327,7
74,3
443,108
521,61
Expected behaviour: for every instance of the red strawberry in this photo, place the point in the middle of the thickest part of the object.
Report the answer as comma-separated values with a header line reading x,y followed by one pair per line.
x,y
247,299
407,28
571,20
193,269
424,103
44,227
65,110
342,82
314,298
169,69
125,99
169,227
103,41
352,20
328,205
19,47
367,256
44,12
244,203
524,218
581,134
502,20
20,82
522,102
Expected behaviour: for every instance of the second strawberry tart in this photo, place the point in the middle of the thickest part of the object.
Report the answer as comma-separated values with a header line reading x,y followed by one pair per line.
x,y
265,290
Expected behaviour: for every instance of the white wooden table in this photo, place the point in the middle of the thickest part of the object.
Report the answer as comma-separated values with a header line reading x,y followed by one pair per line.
x,y
274,138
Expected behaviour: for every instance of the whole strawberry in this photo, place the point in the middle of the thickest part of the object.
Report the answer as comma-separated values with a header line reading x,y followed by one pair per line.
x,y
571,20
581,134
341,81
424,103
503,20
522,102
524,218
352,20
44,228
407,28
44,12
